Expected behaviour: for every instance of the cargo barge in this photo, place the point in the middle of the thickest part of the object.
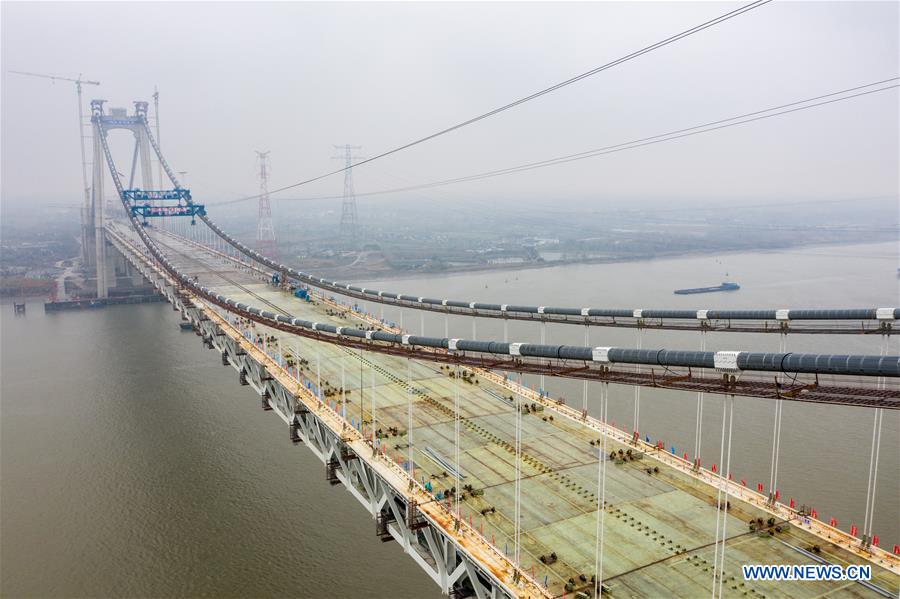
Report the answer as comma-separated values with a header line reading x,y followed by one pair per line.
x,y
723,287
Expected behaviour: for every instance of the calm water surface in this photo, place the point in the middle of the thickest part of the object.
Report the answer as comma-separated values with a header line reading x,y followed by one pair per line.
x,y
133,464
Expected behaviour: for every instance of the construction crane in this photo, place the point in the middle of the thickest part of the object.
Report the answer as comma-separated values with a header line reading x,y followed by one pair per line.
x,y
84,179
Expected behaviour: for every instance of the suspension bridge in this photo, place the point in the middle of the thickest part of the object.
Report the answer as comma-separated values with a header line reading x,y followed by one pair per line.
x,y
493,488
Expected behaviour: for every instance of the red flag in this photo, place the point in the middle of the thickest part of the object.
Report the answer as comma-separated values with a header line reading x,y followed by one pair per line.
x,y
853,530
713,467
792,502
875,540
744,482
759,487
833,522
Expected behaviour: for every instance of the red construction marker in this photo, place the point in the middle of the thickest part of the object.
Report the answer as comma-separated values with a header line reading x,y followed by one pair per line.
x,y
792,502
833,521
744,482
853,530
875,540
713,467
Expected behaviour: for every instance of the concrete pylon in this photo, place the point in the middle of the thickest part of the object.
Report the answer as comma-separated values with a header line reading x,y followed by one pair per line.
x,y
97,205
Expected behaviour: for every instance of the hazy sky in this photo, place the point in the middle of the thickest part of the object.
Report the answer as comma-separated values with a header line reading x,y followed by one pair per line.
x,y
297,78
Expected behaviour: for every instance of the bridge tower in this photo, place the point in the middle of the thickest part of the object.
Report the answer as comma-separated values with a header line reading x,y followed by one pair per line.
x,y
265,229
117,118
349,232
98,256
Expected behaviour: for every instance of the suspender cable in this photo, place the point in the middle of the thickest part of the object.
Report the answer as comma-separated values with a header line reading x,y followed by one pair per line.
x,y
637,390
601,494
724,509
343,394
866,517
584,390
518,486
869,518
409,417
372,406
879,415
319,371
776,433
543,342
776,447
456,494
698,429
719,502
362,411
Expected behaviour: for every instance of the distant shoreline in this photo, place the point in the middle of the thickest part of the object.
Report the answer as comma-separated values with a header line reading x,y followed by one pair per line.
x,y
562,264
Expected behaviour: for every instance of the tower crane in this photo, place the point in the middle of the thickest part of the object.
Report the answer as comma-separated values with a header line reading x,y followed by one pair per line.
x,y
84,179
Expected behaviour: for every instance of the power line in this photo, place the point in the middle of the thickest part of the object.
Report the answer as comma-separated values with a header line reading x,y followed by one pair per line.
x,y
634,144
716,125
538,94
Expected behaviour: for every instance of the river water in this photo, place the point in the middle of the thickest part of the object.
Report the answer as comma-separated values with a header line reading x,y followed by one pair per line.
x,y
133,464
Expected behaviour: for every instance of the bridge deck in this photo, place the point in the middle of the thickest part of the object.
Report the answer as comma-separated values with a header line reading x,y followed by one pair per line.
x,y
659,527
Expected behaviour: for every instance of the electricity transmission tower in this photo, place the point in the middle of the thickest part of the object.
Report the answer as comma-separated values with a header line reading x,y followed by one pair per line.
x,y
349,232
265,230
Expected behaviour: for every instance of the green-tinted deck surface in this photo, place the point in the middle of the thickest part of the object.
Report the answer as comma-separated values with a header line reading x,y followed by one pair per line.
x,y
658,527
